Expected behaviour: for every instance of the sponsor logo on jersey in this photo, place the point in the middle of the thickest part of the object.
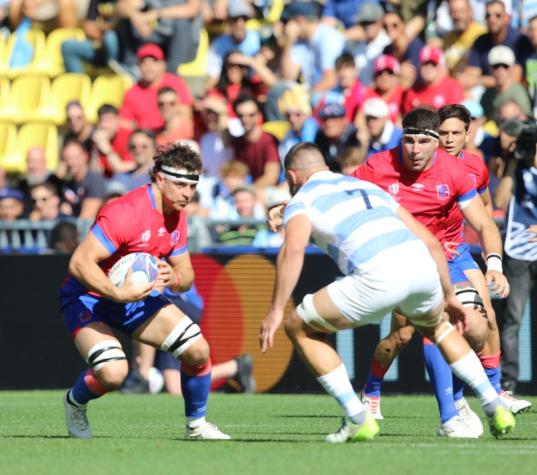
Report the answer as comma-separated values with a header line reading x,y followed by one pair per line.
x,y
146,235
442,191
174,238
161,232
418,186
85,316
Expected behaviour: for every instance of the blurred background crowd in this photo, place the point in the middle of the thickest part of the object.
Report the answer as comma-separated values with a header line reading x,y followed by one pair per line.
x,y
89,89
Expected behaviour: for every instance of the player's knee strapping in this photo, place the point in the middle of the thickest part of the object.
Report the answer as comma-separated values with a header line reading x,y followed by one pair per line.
x,y
308,313
469,297
105,352
182,337
445,329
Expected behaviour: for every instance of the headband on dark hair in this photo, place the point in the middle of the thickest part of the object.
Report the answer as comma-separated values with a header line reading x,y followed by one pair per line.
x,y
181,175
418,131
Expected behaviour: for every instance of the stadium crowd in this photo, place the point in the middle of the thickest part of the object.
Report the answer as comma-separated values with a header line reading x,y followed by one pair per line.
x,y
90,89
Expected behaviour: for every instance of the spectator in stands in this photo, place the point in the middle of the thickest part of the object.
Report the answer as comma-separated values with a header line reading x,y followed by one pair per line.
x,y
310,48
140,106
370,18
295,105
101,46
176,126
349,91
199,236
83,190
3,180
239,38
245,202
350,159
531,64
342,12
64,238
143,147
382,133
215,143
242,76
387,87
11,204
476,132
46,203
436,89
501,60
403,47
336,134
37,173
110,152
174,25
256,148
457,43
46,15
78,127
500,32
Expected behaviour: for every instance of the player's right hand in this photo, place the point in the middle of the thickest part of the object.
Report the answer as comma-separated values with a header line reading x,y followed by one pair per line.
x,y
129,292
268,328
275,217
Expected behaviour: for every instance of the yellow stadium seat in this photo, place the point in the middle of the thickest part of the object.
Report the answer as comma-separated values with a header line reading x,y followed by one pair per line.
x,y
4,92
106,90
197,67
278,128
8,132
28,94
272,17
51,63
30,135
65,88
37,40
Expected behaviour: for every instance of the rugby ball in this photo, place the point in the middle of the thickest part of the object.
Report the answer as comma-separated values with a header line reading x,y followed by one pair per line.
x,y
144,268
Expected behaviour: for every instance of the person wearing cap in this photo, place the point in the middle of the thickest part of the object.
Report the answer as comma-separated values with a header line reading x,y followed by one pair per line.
x,y
403,47
375,39
294,104
11,204
446,195
149,219
140,105
387,87
501,61
240,38
436,88
341,12
310,48
335,134
500,32
382,133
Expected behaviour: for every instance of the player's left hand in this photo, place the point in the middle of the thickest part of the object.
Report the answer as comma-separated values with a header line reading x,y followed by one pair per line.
x,y
497,282
165,276
268,328
458,315
533,230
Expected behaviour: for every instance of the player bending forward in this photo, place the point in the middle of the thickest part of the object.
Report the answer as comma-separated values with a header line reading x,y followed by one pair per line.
x,y
149,219
376,245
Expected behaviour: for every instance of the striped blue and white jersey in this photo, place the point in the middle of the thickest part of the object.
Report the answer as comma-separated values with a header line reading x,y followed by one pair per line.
x,y
352,220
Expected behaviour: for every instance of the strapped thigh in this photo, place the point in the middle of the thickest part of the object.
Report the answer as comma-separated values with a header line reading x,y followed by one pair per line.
x,y
308,313
181,337
104,352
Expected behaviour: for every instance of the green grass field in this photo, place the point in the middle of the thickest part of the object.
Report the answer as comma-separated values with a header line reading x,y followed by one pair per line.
x,y
273,434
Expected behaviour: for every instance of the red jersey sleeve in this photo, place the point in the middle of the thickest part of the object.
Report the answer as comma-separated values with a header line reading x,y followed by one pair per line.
x,y
464,188
365,172
112,226
182,236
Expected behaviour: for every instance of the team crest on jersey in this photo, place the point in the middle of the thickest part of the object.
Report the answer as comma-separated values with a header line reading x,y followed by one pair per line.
x,y
442,191
146,236
174,238
85,316
393,189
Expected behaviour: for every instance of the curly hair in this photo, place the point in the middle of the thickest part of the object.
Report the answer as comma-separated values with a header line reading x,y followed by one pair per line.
x,y
177,156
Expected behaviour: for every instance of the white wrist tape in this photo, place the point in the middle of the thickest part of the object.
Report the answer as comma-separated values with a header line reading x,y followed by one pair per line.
x,y
494,262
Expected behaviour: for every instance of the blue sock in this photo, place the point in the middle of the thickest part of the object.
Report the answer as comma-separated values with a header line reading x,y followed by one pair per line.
x,y
375,379
458,388
86,388
494,378
441,379
195,384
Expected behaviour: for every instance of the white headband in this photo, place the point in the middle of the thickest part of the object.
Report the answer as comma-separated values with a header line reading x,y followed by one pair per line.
x,y
180,176
418,131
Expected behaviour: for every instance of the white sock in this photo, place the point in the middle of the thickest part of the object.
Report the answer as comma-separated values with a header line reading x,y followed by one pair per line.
x,y
470,370
195,422
337,384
